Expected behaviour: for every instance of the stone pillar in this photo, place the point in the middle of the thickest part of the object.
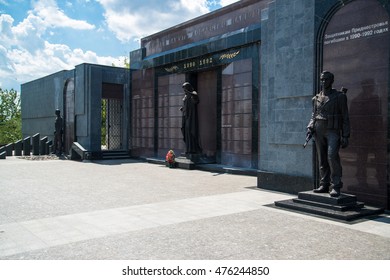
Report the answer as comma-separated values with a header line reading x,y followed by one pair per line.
x,y
49,147
9,148
27,146
35,144
18,148
43,144
2,152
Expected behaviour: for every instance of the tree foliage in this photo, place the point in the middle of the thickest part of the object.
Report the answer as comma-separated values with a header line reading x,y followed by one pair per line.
x,y
10,116
104,122
126,63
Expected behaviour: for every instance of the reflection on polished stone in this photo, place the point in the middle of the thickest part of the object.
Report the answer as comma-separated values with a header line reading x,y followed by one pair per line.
x,y
362,59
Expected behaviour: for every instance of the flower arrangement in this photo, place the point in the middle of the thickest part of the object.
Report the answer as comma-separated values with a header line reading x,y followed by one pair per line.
x,y
170,159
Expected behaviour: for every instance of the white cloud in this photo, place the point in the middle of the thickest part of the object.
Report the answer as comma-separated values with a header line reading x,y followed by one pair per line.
x,y
4,3
24,53
129,20
6,36
227,2
26,65
52,16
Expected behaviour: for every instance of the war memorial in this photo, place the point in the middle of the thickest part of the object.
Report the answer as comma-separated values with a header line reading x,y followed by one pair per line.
x,y
254,68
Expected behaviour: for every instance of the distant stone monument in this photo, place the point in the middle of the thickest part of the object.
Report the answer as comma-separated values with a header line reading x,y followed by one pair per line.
x,y
18,146
329,124
43,145
27,146
58,132
35,144
190,125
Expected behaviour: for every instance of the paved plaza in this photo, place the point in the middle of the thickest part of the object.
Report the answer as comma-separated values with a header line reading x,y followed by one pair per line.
x,y
62,209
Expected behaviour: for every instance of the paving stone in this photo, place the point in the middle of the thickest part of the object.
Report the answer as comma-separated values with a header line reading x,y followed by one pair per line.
x,y
117,210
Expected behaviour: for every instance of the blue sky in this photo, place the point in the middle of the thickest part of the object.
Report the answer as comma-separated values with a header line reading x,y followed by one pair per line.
x,y
40,37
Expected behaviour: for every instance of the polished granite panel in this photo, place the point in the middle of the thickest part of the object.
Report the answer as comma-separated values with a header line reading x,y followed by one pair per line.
x,y
356,50
236,111
207,111
170,99
143,114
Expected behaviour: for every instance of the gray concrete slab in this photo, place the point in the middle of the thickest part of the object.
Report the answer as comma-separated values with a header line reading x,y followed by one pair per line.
x,y
59,209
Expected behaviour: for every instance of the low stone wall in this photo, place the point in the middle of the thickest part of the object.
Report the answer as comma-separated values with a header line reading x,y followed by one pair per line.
x,y
283,183
28,146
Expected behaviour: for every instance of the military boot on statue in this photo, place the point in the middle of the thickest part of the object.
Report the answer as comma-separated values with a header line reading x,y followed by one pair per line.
x,y
336,190
322,189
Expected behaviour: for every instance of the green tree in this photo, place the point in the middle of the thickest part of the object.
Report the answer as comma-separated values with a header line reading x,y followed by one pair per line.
x,y
126,63
104,122
10,116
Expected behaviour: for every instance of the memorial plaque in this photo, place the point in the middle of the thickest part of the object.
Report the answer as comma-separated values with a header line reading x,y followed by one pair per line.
x,y
356,50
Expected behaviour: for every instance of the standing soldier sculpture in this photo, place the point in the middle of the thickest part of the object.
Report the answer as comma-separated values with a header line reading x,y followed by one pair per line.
x,y
189,127
329,124
58,133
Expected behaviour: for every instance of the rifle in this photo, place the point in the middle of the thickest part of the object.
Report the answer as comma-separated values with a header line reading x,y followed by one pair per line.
x,y
310,135
308,138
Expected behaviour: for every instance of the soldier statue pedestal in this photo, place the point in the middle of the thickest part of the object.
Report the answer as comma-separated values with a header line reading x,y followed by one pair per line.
x,y
345,207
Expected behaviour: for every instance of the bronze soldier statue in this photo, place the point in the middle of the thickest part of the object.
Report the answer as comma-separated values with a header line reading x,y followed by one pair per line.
x,y
329,124
58,133
190,126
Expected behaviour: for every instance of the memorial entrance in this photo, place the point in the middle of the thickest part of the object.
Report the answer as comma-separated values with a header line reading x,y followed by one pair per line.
x,y
112,116
206,86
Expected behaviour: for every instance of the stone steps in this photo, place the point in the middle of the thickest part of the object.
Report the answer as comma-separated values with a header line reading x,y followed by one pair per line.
x,y
344,208
119,154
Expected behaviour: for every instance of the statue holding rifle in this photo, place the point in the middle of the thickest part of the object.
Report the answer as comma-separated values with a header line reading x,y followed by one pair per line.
x,y
330,127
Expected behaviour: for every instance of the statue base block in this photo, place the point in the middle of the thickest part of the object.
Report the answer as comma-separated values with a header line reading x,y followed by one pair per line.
x,y
190,161
184,163
345,207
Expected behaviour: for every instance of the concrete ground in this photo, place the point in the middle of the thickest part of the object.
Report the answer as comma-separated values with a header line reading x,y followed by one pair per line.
x,y
60,209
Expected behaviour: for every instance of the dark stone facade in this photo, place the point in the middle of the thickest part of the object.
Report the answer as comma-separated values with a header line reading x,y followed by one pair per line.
x,y
218,54
78,94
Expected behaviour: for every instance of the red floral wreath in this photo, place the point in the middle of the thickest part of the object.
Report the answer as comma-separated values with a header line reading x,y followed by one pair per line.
x,y
170,158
